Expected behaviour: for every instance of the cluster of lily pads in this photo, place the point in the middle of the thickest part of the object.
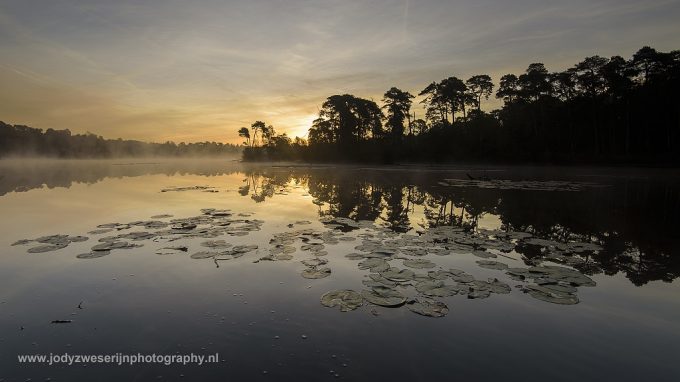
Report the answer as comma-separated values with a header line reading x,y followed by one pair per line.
x,y
392,286
51,242
504,184
399,266
312,241
212,223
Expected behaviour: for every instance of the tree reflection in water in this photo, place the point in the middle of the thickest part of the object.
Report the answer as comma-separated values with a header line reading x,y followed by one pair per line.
x,y
634,220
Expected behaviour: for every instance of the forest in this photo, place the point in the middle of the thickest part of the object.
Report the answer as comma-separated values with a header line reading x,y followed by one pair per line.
x,y
601,110
19,140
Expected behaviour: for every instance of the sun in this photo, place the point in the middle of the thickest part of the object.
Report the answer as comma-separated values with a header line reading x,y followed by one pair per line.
x,y
300,126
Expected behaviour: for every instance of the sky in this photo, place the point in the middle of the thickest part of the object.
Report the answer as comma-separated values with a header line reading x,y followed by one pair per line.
x,y
159,70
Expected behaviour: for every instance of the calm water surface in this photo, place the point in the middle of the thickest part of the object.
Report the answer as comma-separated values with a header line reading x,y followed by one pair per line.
x,y
614,232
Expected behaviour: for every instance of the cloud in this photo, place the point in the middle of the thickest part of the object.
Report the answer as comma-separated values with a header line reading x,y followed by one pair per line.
x,y
198,70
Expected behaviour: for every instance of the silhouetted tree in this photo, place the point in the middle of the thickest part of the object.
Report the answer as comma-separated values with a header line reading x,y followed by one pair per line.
x,y
534,83
398,106
350,119
257,126
244,133
589,78
508,89
480,86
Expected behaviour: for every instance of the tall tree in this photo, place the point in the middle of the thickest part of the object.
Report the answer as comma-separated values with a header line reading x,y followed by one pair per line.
x,y
257,126
480,86
508,89
535,82
350,118
647,62
445,97
321,132
268,134
564,84
244,133
437,109
589,76
369,118
454,92
398,105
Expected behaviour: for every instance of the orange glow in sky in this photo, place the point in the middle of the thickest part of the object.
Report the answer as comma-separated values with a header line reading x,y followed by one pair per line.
x,y
198,70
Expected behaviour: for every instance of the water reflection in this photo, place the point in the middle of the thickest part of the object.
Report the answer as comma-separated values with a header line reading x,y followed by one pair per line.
x,y
633,220
393,241
23,175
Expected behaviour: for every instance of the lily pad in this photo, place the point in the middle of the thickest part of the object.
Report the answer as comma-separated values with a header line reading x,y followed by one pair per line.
x,y
384,296
152,224
312,247
284,249
314,262
479,293
46,248
183,226
560,288
551,296
136,236
53,239
439,275
204,255
93,254
355,256
490,264
107,246
438,288
346,300
162,216
499,287
378,281
100,231
216,244
316,273
191,188
171,250
426,307
77,239
419,263
244,248
461,277
398,275
375,265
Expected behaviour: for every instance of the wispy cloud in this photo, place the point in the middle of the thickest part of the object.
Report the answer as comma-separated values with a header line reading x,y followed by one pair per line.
x,y
171,69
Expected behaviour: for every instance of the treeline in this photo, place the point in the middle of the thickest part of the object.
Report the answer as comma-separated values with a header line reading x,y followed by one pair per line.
x,y
606,110
18,140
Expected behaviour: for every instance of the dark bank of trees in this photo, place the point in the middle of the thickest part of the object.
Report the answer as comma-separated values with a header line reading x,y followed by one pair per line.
x,y
21,140
608,110
262,144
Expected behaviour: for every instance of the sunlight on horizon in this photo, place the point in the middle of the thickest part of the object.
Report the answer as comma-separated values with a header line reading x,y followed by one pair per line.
x,y
302,127
197,71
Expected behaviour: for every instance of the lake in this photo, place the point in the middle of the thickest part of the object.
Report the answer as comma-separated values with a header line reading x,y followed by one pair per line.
x,y
293,272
